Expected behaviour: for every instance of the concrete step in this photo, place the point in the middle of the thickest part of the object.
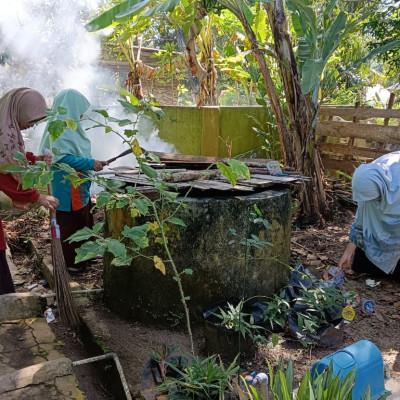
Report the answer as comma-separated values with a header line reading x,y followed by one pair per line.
x,y
32,364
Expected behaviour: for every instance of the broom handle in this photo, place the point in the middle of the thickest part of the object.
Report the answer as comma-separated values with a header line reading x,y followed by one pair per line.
x,y
49,187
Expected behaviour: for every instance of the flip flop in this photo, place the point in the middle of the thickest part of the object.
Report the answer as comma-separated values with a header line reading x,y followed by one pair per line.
x,y
76,271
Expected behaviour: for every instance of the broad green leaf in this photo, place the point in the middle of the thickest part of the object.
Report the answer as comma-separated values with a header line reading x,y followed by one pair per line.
x,y
89,250
16,168
261,102
104,113
134,9
311,75
115,247
229,50
176,221
332,35
28,181
304,51
188,271
61,110
133,100
254,73
307,14
376,52
246,11
159,264
97,227
154,157
130,132
66,168
166,6
102,199
19,156
108,129
239,168
158,111
122,202
128,106
56,128
120,261
108,17
124,122
142,205
71,124
228,172
275,340
149,171
138,234
46,178
81,235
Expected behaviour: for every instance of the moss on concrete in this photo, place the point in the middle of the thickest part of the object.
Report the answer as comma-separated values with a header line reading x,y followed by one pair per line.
x,y
206,246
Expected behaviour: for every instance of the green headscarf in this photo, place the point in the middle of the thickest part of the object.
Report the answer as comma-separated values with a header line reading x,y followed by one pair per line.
x,y
74,142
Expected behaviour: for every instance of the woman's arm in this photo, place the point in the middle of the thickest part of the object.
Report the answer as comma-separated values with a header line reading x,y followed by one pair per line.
x,y
83,164
345,260
22,198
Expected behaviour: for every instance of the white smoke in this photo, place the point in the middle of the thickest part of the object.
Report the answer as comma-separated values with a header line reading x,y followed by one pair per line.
x,y
44,45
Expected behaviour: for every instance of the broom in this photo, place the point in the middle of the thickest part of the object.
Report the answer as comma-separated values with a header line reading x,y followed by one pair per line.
x,y
65,303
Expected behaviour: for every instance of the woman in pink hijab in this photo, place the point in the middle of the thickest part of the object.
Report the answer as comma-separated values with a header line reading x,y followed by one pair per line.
x,y
19,109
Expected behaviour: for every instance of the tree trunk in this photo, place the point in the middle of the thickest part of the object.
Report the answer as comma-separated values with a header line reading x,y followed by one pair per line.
x,y
284,135
302,116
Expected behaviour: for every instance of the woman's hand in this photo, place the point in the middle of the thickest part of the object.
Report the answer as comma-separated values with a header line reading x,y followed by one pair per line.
x,y
99,165
45,157
345,261
49,202
21,206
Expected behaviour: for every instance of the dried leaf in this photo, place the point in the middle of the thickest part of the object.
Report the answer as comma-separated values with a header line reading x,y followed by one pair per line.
x,y
159,264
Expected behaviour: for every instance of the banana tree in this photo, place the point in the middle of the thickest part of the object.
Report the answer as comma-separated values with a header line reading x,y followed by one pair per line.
x,y
317,35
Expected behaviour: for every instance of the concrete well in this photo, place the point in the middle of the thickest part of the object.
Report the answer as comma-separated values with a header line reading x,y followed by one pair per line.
x,y
206,246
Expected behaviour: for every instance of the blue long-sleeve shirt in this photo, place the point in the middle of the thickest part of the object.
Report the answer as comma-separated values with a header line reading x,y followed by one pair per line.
x,y
72,199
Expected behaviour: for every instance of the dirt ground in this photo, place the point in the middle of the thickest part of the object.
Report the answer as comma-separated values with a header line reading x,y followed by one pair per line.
x,y
317,249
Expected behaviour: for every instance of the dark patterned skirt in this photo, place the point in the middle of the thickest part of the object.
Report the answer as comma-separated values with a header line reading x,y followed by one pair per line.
x,y
70,222
6,283
361,263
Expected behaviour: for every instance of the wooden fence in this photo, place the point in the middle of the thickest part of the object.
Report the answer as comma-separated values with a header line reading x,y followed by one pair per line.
x,y
346,135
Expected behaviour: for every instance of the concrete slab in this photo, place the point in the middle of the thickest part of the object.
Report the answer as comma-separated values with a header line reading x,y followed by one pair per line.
x,y
32,365
15,306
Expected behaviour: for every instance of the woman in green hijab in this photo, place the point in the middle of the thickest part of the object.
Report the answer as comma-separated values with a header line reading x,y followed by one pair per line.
x,y
73,147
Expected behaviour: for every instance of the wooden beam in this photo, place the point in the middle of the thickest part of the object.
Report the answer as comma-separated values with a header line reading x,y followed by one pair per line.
x,y
347,166
351,150
379,133
359,112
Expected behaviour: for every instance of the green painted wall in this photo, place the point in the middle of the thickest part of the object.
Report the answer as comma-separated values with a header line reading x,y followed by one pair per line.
x,y
204,131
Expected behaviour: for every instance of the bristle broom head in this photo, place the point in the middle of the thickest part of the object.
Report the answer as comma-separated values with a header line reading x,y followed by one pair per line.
x,y
65,302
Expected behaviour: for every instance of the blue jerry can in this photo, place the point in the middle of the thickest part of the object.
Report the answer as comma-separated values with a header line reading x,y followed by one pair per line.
x,y
366,358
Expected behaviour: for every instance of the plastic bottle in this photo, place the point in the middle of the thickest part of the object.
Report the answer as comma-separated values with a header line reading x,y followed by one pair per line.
x,y
260,381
